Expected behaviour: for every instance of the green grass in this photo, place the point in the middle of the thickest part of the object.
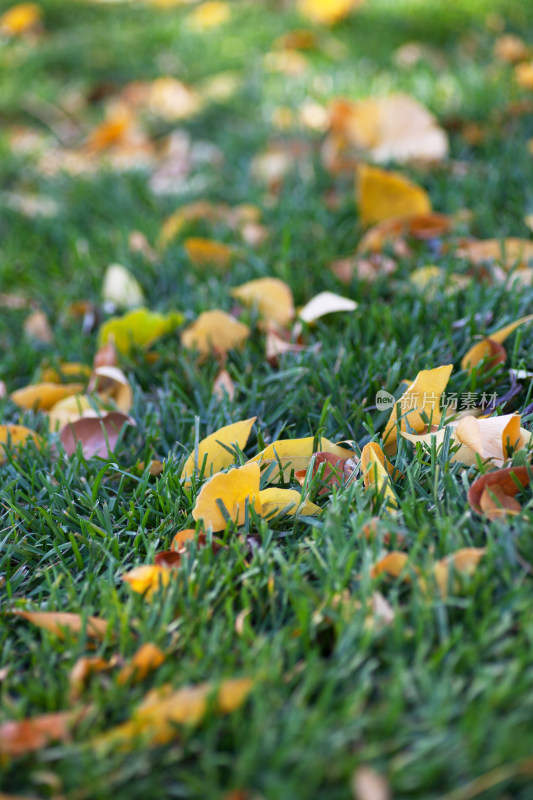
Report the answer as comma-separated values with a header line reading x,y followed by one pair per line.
x,y
442,695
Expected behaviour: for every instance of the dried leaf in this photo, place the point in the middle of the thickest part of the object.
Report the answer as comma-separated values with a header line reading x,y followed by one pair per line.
x,y
213,450
509,481
495,503
236,489
147,579
15,435
82,670
111,385
325,303
120,288
335,471
61,622
148,658
507,252
393,565
419,226
204,252
375,473
382,195
223,385
19,737
285,502
215,332
71,409
43,396
295,454
36,326
488,347
464,562
98,435
272,297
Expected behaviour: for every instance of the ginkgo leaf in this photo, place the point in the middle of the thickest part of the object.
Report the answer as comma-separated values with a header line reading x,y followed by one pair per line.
x,y
98,435
20,19
382,195
15,435
120,288
462,562
162,709
325,303
393,564
507,252
213,450
327,12
394,128
62,622
279,502
81,672
203,252
496,503
223,385
334,471
272,297
215,332
71,409
66,370
487,348
111,385
19,737
508,481
148,658
418,226
141,328
294,454
208,15
419,404
43,396
147,579
237,490
375,473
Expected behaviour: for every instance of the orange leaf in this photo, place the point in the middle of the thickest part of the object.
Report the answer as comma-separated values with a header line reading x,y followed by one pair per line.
x,y
62,622
382,195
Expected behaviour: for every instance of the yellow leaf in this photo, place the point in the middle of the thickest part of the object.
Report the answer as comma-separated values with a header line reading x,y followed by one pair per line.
x,y
325,303
44,396
202,252
213,448
62,622
482,349
215,332
382,195
209,15
121,288
422,397
147,579
491,438
510,48
393,564
16,435
162,709
464,562
20,18
295,454
375,473
141,327
327,12
71,409
289,502
507,252
147,658
112,385
235,489
272,297
65,370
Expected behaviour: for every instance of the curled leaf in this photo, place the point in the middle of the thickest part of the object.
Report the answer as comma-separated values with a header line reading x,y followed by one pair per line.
x,y
325,303
295,454
215,450
147,579
236,490
508,481
373,467
285,502
63,622
43,396
272,297
98,435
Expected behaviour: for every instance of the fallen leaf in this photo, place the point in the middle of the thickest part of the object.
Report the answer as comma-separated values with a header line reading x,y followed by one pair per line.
x,y
112,386
182,540
464,562
223,385
98,435
509,481
147,579
236,489
213,453
285,502
173,100
204,252
393,565
422,399
375,473
271,296
524,74
44,396
155,719
295,454
508,252
335,471
71,409
120,288
14,436
147,659
209,15
495,503
367,784
394,128
20,19
66,371
368,269
62,622
490,347
510,48
382,195
327,12
325,303
19,737
139,328
82,670
215,332
36,326
424,226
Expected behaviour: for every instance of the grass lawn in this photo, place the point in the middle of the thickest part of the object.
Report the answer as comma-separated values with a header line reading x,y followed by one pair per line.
x,y
441,693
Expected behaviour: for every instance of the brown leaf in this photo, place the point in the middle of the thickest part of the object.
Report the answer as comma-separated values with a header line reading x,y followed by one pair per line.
x,y
147,659
509,481
98,435
18,737
336,471
62,622
223,385
36,326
